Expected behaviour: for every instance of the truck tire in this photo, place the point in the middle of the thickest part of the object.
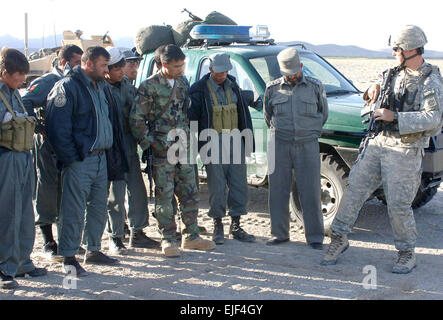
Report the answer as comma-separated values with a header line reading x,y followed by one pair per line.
x,y
422,197
334,177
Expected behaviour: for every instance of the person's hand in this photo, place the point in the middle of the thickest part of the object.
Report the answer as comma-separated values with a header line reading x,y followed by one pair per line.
x,y
373,92
384,115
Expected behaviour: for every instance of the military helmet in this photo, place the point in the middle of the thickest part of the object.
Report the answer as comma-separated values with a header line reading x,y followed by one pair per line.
x,y
409,38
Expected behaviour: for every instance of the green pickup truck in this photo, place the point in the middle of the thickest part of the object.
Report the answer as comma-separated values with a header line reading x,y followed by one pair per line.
x,y
254,65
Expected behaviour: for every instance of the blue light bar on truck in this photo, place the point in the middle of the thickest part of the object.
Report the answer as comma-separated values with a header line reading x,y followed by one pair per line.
x,y
221,32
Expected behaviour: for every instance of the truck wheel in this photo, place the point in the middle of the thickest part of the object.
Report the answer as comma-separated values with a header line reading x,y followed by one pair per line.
x,y
334,177
422,197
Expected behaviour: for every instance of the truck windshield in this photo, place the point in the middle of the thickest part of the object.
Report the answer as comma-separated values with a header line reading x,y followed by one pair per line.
x,y
313,66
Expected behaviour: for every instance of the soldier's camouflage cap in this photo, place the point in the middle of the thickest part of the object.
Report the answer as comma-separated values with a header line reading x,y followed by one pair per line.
x,y
289,62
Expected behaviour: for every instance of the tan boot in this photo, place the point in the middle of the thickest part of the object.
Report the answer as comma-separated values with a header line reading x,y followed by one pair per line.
x,y
406,261
170,249
198,243
339,244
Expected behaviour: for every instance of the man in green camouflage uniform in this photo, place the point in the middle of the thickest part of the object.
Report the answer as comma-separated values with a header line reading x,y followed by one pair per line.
x,y
162,101
393,157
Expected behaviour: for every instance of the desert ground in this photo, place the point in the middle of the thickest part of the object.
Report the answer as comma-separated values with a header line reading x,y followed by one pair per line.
x,y
239,271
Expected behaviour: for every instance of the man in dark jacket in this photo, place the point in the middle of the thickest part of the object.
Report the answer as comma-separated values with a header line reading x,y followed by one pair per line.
x,y
35,98
79,130
138,217
217,103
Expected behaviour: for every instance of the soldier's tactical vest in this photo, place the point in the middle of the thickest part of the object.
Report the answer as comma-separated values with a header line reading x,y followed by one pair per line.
x,y
405,101
17,134
224,117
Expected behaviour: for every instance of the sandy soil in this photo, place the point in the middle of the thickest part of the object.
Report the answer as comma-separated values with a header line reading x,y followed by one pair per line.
x,y
363,71
255,271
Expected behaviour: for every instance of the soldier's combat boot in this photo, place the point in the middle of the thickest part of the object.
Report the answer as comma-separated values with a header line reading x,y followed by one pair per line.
x,y
238,233
198,243
406,261
116,246
339,244
218,235
170,249
7,282
140,240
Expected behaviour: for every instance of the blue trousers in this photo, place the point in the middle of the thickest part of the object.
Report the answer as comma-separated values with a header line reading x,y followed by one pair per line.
x,y
17,228
85,190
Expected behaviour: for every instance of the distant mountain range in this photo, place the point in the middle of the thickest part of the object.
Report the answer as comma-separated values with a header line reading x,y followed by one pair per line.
x,y
333,50
326,50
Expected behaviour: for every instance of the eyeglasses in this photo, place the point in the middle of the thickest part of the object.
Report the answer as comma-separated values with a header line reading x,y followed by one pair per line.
x,y
396,49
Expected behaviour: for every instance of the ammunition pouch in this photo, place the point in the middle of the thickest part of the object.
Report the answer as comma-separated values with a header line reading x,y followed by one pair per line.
x,y
18,134
412,137
224,117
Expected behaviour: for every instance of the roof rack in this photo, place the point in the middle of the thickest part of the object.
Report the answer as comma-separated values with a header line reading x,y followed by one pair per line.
x,y
206,43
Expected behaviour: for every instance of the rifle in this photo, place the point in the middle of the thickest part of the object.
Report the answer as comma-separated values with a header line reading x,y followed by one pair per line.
x,y
193,17
147,158
370,109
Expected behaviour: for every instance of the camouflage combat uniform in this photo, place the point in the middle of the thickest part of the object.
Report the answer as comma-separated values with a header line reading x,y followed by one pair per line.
x,y
393,158
169,179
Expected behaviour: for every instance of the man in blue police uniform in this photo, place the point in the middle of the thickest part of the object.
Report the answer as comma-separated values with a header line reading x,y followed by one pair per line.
x,y
217,103
17,230
80,132
35,97
131,67
295,110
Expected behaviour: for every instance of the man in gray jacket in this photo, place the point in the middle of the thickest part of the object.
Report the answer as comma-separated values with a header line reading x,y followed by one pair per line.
x,y
295,110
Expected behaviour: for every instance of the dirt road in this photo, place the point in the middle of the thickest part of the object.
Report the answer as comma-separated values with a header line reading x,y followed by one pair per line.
x,y
256,271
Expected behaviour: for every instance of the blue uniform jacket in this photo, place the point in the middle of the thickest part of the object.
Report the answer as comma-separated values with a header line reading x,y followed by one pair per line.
x,y
37,93
71,118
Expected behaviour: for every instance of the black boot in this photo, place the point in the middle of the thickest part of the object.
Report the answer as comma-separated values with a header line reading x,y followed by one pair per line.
x,y
218,235
72,267
7,282
140,240
238,233
47,233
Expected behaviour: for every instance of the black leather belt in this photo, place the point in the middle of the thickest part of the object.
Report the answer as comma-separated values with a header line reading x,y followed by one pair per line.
x,y
97,152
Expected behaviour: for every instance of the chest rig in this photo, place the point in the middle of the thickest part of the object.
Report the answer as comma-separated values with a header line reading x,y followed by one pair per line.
x,y
224,117
18,133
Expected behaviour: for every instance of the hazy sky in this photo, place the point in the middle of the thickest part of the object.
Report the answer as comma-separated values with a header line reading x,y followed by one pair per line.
x,y
365,24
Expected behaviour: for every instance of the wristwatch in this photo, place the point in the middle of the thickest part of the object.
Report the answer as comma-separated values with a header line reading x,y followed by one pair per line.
x,y
395,117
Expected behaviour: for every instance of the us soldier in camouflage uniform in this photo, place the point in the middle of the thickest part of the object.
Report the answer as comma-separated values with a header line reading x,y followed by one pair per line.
x,y
162,101
393,158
